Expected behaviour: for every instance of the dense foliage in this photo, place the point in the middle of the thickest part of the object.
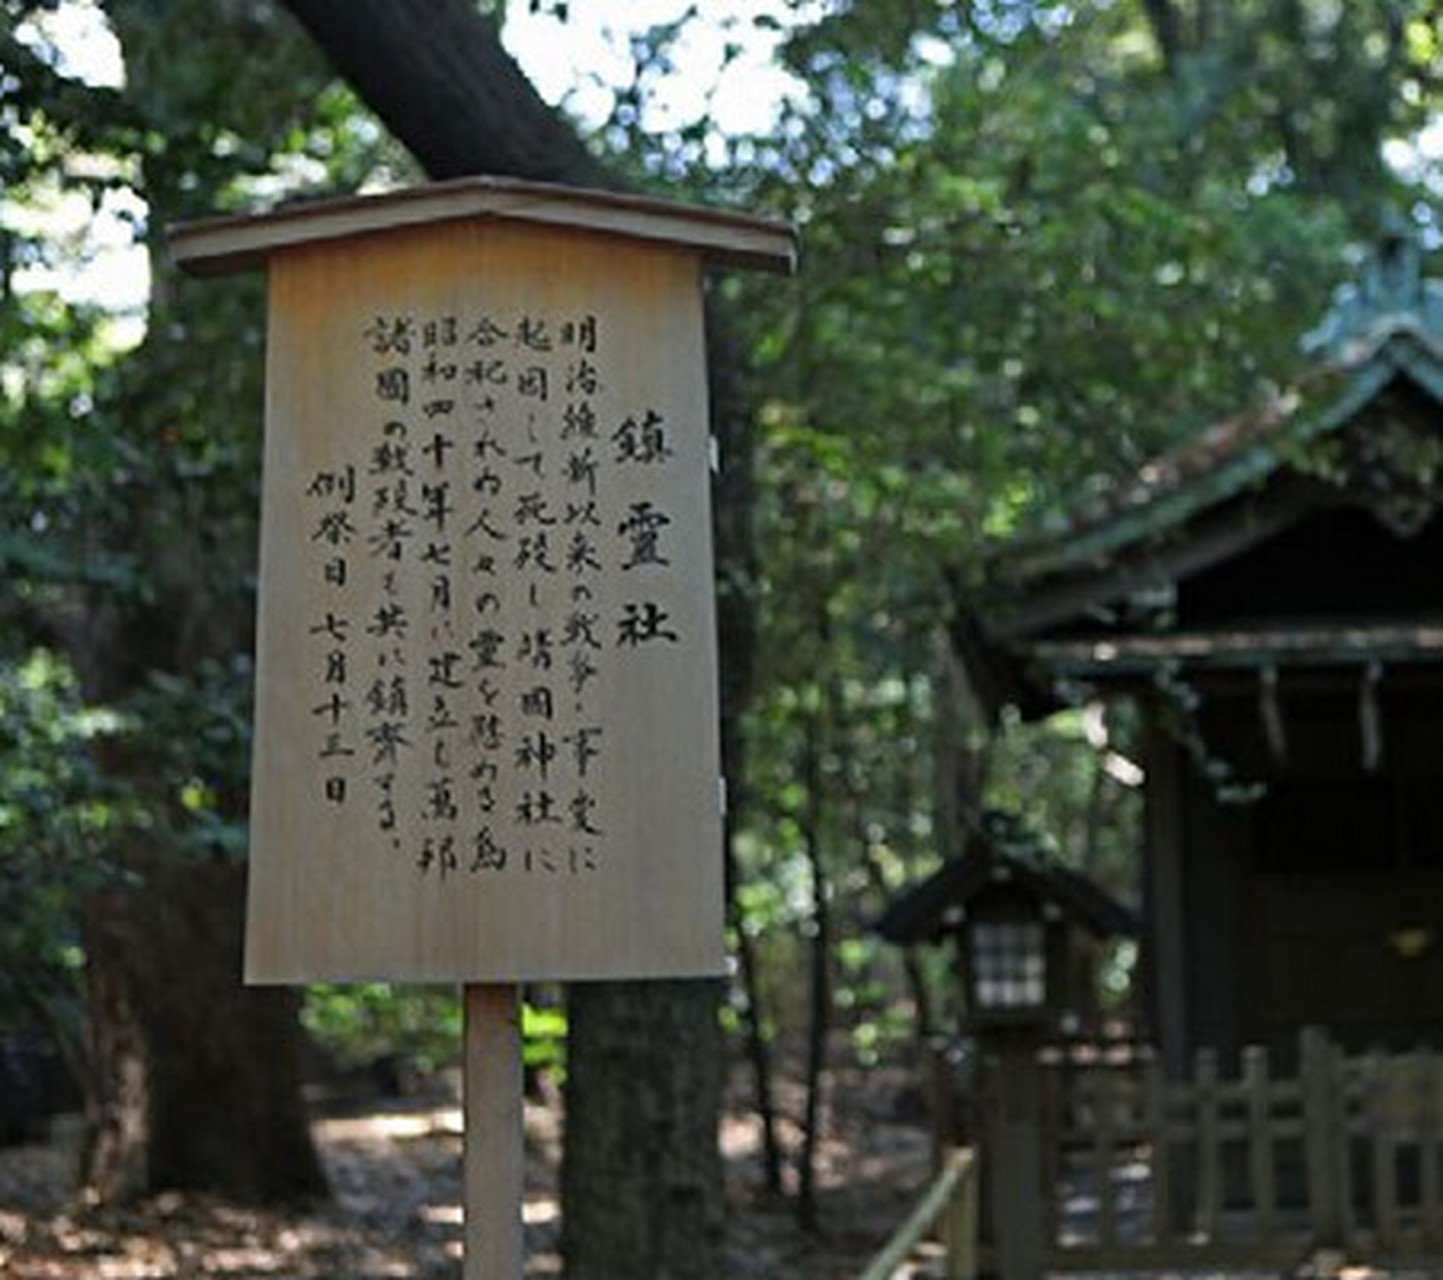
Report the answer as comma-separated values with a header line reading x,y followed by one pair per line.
x,y
1041,241
131,442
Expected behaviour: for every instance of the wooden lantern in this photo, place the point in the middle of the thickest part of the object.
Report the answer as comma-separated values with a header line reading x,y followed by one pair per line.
x,y
1029,934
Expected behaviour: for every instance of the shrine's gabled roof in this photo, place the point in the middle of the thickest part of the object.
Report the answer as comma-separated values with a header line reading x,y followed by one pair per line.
x,y
1377,370
1383,335
1385,327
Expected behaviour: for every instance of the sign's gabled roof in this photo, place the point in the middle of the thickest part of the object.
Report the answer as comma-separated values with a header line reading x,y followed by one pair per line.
x,y
220,245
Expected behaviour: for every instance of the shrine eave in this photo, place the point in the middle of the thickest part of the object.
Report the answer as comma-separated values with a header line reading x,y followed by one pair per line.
x,y
1122,657
219,245
1234,456
1080,603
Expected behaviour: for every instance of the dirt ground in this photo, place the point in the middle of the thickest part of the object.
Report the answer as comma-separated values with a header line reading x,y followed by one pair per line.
x,y
395,1212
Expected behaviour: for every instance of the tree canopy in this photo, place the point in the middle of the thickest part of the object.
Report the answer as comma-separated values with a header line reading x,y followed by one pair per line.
x,y
1041,242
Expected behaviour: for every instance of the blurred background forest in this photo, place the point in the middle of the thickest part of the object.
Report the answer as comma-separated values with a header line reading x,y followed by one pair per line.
x,y
1041,241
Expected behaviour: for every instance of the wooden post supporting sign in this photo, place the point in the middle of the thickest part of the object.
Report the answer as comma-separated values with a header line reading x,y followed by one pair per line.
x,y
494,1158
486,745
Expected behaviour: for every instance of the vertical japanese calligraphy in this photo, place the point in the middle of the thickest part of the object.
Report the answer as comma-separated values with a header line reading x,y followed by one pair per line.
x,y
498,477
487,649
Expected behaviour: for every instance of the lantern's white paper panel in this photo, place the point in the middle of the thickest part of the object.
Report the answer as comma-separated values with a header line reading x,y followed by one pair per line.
x,y
486,743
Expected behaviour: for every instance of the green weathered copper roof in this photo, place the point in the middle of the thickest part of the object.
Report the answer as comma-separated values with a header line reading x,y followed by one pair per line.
x,y
1386,326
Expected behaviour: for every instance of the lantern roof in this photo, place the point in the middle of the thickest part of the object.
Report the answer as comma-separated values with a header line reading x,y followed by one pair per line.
x,y
932,909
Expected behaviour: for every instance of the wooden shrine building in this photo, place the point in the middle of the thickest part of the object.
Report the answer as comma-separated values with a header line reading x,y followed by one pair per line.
x,y
1272,595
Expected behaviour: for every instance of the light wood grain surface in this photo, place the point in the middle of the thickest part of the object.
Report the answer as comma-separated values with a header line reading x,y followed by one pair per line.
x,y
487,710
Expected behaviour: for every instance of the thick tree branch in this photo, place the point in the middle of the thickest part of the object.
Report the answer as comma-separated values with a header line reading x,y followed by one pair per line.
x,y
1166,23
446,88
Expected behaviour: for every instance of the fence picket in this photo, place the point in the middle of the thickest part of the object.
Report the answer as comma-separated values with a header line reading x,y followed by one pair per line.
x,y
1426,1087
1105,1103
1256,1077
1155,1118
1209,1144
1349,1086
1321,1134
1382,1125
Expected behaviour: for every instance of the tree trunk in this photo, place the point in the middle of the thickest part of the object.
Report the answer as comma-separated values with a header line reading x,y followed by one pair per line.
x,y
641,1172
820,983
192,1080
733,504
925,1020
759,1054
1167,29
440,80
196,1079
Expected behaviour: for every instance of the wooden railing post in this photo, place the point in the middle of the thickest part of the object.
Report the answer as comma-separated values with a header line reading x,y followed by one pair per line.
x,y
959,1226
1361,1120
950,1208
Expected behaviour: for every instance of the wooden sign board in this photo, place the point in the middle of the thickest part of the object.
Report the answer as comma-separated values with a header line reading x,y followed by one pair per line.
x,y
486,729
